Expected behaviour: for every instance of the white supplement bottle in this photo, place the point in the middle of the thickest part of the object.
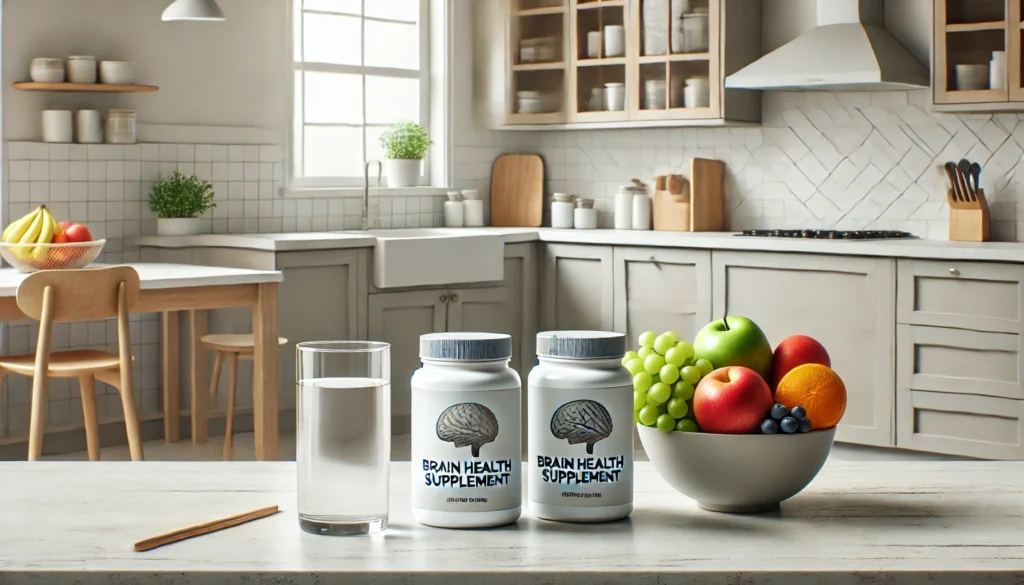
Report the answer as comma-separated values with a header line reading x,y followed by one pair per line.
x,y
466,432
580,461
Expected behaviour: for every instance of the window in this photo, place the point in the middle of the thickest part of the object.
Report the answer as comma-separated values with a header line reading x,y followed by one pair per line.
x,y
360,66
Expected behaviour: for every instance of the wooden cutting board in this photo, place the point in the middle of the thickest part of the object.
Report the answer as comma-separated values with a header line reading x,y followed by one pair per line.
x,y
517,191
707,197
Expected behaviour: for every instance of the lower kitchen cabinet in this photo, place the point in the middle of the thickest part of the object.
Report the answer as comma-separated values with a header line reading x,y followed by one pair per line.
x,y
578,291
846,303
657,289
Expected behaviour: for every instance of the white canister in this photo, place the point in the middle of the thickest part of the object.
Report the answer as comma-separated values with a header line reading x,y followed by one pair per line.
x,y
997,70
614,40
57,126
697,92
580,435
624,206
89,126
594,44
46,70
696,31
117,73
454,214
584,218
596,103
121,127
642,211
466,432
81,69
654,94
615,97
472,208
562,211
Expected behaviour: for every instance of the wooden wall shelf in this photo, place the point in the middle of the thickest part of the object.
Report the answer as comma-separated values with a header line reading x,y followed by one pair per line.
x,y
976,26
84,87
542,11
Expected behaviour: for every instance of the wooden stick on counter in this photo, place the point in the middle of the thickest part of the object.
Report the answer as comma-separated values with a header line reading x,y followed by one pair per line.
x,y
201,529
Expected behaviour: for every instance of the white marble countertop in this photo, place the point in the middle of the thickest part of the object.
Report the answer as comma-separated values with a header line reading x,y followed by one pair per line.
x,y
909,248
160,276
878,523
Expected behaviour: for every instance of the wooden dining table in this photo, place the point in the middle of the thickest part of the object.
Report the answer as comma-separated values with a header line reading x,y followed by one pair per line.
x,y
169,289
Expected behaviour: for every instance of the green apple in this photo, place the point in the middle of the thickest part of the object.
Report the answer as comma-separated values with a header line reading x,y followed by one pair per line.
x,y
735,341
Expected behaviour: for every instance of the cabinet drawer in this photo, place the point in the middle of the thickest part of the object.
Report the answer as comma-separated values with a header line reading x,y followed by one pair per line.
x,y
959,424
958,361
964,295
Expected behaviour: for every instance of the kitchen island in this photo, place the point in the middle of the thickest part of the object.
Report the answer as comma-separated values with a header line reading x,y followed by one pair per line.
x,y
935,523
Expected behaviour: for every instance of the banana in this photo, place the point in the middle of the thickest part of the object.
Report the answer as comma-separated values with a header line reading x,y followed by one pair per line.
x,y
30,237
45,236
13,233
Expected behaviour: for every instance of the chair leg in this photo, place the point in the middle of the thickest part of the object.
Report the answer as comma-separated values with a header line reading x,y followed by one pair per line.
x,y
218,360
232,393
131,417
87,384
37,417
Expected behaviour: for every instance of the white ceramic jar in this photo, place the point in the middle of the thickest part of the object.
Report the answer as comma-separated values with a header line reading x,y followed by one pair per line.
x,y
562,211
997,70
584,217
466,432
580,450
81,69
57,126
454,210
642,211
615,96
89,126
696,31
121,127
45,70
624,206
472,208
117,73
614,40
698,92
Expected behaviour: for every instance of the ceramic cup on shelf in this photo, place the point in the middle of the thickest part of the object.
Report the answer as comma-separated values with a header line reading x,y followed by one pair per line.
x,y
698,92
117,73
89,126
594,44
615,97
614,40
57,126
654,94
997,70
585,216
971,76
45,70
81,69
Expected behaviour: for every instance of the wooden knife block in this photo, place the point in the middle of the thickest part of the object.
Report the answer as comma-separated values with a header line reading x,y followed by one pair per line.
x,y
968,221
702,208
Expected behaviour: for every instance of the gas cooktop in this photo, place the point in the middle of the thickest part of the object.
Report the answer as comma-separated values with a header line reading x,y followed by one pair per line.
x,y
829,234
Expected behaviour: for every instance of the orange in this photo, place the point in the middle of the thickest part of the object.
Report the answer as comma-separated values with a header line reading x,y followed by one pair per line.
x,y
816,388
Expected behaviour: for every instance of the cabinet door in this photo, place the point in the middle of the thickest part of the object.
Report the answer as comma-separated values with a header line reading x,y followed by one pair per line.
x,y
521,284
578,287
980,296
661,290
846,303
400,319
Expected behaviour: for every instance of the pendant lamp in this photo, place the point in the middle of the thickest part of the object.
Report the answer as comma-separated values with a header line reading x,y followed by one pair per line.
x,y
199,10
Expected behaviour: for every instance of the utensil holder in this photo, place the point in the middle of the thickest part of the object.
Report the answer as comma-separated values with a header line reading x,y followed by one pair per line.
x,y
968,220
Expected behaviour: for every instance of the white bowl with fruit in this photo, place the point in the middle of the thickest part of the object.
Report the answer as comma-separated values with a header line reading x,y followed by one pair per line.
x,y
37,242
745,436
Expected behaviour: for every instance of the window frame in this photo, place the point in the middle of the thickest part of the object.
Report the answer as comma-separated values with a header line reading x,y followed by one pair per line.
x,y
297,123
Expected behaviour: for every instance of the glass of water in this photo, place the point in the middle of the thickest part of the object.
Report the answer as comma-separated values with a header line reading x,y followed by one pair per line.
x,y
344,436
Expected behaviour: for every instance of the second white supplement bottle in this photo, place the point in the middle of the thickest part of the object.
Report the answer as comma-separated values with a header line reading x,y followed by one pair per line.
x,y
580,454
466,432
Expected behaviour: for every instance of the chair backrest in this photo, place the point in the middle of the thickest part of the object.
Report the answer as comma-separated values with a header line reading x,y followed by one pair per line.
x,y
79,295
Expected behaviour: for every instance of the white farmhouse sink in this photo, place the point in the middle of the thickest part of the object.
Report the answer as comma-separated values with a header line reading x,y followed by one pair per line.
x,y
428,257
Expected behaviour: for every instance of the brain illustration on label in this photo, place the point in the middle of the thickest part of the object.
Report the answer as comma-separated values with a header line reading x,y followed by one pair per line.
x,y
582,421
467,423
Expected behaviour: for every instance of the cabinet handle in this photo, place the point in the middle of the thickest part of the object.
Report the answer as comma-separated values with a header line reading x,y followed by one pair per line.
x,y
444,298
454,298
657,264
954,272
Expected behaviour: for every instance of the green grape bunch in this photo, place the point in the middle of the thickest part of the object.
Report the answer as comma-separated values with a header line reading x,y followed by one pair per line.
x,y
665,375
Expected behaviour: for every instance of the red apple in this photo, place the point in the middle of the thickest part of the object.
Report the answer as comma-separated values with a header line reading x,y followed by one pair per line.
x,y
731,400
76,232
794,351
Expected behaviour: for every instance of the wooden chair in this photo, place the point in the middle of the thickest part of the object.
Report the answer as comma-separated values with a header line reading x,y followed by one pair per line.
x,y
233,347
62,296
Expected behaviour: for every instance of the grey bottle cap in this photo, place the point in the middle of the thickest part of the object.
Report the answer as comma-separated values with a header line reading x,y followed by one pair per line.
x,y
466,347
581,345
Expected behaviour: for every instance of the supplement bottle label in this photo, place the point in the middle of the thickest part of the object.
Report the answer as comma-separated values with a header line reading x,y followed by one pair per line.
x,y
581,446
466,450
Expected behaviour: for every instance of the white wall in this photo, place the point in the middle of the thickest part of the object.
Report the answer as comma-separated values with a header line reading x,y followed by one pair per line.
x,y
226,74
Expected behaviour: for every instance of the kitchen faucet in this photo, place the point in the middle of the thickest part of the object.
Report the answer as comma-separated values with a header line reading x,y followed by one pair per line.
x,y
366,190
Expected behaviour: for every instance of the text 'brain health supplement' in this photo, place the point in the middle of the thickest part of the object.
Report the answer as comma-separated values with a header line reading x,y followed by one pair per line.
x,y
466,432
580,455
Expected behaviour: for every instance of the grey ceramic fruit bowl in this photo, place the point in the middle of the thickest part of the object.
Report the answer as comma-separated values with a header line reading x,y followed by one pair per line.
x,y
739,474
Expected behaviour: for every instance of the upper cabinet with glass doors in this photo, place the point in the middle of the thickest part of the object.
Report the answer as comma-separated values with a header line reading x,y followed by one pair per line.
x,y
622,63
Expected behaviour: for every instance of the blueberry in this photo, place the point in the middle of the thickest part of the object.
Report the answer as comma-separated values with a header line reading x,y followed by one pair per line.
x,y
805,425
769,427
778,411
798,412
789,425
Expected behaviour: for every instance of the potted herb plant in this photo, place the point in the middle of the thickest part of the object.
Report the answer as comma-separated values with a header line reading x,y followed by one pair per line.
x,y
178,201
405,145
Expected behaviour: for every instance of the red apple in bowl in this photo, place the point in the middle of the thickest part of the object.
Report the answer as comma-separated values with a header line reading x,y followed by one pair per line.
x,y
794,351
75,232
731,400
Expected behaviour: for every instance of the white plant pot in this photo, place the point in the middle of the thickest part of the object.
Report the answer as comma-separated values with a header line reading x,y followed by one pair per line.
x,y
177,226
402,172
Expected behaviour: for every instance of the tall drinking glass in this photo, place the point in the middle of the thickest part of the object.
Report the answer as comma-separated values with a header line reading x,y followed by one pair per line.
x,y
344,436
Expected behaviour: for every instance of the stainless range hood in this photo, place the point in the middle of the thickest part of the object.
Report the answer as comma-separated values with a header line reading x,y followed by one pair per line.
x,y
849,50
